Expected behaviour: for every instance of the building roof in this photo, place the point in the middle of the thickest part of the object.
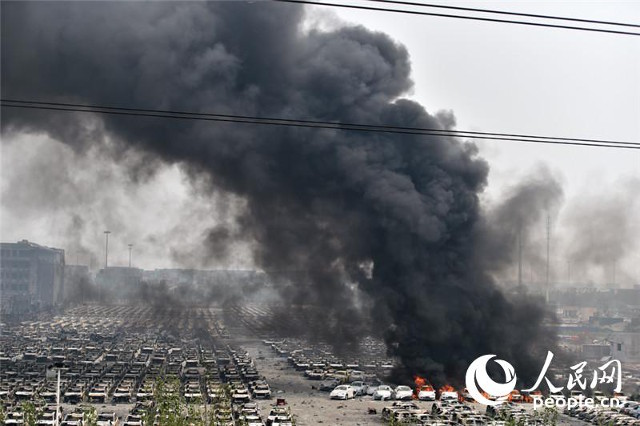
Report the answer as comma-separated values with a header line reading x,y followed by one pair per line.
x,y
29,244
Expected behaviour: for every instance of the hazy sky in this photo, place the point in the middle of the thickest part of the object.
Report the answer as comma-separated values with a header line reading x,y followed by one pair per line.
x,y
494,77
521,79
539,81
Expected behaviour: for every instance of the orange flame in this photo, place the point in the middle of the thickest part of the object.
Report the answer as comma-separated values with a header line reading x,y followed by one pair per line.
x,y
447,388
420,382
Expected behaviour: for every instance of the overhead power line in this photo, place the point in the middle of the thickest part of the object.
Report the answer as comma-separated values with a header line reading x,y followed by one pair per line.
x,y
274,121
467,17
504,12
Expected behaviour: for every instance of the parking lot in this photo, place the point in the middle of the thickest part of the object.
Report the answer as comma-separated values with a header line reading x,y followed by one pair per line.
x,y
120,364
313,406
131,366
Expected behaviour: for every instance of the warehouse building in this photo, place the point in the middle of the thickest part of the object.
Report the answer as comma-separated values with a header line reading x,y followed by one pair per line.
x,y
31,277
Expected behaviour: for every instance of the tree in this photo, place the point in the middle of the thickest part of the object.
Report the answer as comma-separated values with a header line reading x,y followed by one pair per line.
x,y
31,413
90,417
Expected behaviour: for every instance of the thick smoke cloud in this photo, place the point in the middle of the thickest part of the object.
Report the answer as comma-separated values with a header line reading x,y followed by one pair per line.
x,y
321,205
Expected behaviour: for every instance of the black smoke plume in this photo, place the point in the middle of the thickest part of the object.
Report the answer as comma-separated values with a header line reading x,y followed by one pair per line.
x,y
380,229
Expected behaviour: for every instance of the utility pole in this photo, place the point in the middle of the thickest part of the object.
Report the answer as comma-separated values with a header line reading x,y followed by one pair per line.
x,y
130,246
106,249
58,399
50,374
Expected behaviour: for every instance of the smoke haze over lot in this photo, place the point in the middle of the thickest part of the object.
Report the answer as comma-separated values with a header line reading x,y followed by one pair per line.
x,y
321,203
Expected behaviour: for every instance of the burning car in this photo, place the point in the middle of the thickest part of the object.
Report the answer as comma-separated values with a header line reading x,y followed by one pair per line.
x,y
515,396
448,393
427,393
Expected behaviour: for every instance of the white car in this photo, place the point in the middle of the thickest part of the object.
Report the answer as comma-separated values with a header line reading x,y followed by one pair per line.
x,y
427,393
383,392
359,387
343,392
403,393
449,395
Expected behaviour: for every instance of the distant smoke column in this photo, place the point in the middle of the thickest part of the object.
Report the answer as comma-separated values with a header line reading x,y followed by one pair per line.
x,y
520,257
547,267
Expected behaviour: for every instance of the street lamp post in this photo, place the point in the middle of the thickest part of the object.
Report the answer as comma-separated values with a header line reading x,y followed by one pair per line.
x,y
106,249
58,399
130,246
55,369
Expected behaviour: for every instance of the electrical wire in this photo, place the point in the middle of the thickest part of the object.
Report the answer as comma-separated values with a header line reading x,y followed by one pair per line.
x,y
242,119
504,12
473,18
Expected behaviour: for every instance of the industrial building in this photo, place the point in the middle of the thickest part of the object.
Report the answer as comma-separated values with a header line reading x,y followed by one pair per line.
x,y
31,277
114,277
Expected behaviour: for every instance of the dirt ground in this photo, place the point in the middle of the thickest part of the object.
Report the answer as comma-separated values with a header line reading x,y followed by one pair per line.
x,y
312,407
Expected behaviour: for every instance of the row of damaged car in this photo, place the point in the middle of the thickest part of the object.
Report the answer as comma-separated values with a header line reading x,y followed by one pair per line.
x,y
318,362
627,414
440,414
120,355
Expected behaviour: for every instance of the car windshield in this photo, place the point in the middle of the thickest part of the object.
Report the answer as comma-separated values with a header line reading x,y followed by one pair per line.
x,y
343,387
404,388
